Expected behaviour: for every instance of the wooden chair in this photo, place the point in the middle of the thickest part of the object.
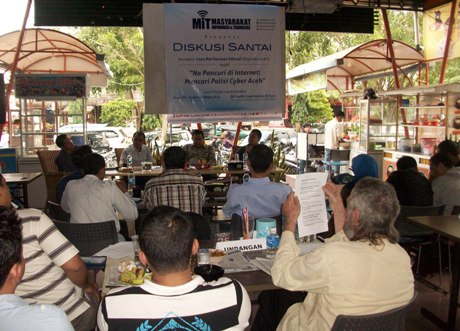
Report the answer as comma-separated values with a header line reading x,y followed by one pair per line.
x,y
391,320
89,238
50,171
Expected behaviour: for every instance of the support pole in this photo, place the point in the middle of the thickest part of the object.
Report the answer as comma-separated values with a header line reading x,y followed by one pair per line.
x,y
447,46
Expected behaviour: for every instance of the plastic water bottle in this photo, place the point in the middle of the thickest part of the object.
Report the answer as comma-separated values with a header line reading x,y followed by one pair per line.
x,y
130,162
245,161
131,181
273,241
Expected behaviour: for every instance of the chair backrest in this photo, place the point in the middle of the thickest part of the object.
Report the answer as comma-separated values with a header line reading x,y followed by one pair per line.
x,y
201,225
407,211
50,171
390,320
89,238
455,210
118,152
340,154
55,212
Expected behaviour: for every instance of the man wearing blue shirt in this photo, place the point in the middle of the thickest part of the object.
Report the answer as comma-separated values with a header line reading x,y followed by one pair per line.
x,y
262,197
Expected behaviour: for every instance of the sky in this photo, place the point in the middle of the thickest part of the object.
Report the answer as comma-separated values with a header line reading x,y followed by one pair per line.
x,y
13,14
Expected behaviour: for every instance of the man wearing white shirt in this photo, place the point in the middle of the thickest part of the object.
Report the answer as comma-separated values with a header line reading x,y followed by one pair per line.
x,y
93,199
333,131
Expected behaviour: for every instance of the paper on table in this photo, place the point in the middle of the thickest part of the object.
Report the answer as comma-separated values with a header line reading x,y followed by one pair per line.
x,y
313,216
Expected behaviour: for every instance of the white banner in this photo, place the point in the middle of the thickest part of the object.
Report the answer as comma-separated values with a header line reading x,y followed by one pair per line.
x,y
212,58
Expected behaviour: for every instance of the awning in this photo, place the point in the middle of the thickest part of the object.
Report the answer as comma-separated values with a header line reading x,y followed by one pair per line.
x,y
340,70
51,51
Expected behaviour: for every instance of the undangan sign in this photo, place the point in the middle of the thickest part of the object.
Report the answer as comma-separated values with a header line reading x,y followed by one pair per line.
x,y
211,58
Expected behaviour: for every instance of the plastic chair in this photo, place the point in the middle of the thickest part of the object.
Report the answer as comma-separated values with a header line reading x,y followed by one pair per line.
x,y
338,158
390,320
50,171
55,212
89,238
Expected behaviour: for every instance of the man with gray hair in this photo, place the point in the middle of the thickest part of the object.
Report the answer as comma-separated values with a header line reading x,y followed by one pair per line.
x,y
360,270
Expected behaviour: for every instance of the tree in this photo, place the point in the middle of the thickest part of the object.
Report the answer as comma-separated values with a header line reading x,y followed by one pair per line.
x,y
311,107
118,112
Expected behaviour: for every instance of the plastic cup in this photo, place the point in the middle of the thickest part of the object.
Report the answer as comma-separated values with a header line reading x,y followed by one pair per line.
x,y
247,229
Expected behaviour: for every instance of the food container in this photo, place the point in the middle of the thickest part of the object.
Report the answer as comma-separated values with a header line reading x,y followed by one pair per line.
x,y
416,148
404,144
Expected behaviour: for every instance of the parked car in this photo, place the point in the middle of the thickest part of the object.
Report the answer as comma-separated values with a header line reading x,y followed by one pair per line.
x,y
178,138
217,131
116,137
286,136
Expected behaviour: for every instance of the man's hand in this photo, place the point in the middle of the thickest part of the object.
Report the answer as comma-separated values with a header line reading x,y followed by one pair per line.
x,y
122,185
332,191
291,210
92,289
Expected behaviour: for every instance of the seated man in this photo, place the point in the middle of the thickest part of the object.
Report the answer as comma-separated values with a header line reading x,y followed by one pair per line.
x,y
175,187
78,154
364,251
64,160
254,138
16,314
450,148
262,197
174,299
198,151
54,273
92,199
138,151
445,181
412,188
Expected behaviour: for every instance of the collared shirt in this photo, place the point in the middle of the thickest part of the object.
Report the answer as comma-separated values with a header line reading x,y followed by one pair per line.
x,y
62,183
341,277
205,152
333,130
16,314
262,197
196,305
176,188
446,189
64,162
45,250
144,155
91,200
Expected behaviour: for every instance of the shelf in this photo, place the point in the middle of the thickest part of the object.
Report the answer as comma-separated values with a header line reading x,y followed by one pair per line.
x,y
424,126
422,107
382,124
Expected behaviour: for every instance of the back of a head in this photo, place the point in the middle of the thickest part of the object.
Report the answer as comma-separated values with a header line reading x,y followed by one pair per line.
x,y
441,158
378,208
261,158
10,242
174,157
79,153
166,237
406,162
93,163
364,166
60,140
448,147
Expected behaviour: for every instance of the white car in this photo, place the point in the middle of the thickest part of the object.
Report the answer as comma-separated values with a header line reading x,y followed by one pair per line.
x,y
179,138
115,136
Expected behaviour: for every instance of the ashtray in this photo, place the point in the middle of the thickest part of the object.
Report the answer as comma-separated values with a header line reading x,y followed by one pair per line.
x,y
209,272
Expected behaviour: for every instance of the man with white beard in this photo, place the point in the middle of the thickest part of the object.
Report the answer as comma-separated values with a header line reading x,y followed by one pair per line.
x,y
360,270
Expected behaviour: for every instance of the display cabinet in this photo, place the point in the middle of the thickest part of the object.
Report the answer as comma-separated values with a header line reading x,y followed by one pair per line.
x,y
377,123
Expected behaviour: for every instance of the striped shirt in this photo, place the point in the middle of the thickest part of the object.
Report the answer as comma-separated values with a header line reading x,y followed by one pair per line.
x,y
45,250
195,306
176,188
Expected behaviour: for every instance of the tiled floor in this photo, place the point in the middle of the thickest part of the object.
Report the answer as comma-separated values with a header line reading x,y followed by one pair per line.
x,y
434,301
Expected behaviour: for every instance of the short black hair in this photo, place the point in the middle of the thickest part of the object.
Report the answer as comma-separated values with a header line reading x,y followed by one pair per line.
x,y
174,157
306,125
257,132
261,158
448,147
441,158
93,163
166,237
406,162
196,132
79,153
139,133
10,242
60,140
